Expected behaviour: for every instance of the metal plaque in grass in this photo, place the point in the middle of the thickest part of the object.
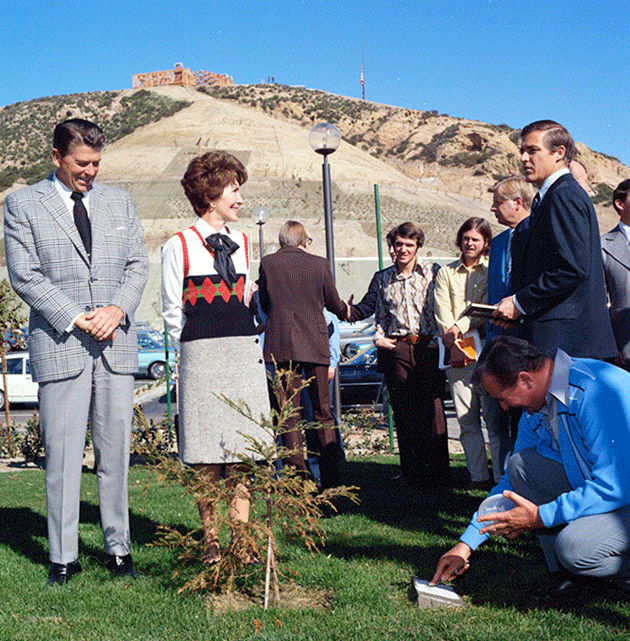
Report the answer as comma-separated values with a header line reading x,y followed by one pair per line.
x,y
435,596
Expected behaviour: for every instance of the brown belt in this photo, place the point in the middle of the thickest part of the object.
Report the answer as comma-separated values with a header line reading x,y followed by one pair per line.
x,y
414,339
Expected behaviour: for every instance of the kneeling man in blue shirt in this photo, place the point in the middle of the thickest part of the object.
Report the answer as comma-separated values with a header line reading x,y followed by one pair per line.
x,y
570,473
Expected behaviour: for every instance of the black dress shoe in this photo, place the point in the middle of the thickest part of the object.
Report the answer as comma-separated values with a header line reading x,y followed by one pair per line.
x,y
565,588
121,565
61,573
486,486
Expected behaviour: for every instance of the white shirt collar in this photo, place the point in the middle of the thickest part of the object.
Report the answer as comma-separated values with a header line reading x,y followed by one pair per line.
x,y
206,230
66,193
625,230
550,180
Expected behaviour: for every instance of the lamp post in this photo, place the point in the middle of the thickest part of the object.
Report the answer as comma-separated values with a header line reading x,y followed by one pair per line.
x,y
324,139
260,215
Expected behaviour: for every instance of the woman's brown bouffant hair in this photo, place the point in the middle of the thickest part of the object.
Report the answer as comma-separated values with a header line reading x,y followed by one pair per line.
x,y
208,175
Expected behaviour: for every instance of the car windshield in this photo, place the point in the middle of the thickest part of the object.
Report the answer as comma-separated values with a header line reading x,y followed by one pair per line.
x,y
148,343
14,365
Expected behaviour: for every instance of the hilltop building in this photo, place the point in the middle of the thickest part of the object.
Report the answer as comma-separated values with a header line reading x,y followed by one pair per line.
x,y
181,76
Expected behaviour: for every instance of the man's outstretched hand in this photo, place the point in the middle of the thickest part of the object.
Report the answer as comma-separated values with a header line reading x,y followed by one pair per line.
x,y
452,564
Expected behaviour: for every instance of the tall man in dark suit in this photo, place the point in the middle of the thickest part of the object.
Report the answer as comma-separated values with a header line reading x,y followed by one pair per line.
x,y
616,255
295,286
75,255
558,280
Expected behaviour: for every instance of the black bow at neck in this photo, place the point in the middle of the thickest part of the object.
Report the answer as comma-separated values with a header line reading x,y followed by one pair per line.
x,y
223,247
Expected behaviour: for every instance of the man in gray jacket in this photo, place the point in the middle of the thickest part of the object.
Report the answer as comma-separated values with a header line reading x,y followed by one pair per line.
x,y
616,255
75,255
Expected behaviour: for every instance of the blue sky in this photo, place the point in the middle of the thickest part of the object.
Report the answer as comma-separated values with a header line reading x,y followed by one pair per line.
x,y
499,61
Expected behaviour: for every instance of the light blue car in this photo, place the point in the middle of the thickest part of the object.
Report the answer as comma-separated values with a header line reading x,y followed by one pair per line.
x,y
151,358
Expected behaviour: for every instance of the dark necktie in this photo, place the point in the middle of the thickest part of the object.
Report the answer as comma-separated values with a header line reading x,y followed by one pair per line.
x,y
223,247
535,204
508,259
82,221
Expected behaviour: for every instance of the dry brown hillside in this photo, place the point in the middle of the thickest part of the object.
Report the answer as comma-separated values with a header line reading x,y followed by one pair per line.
x,y
462,156
429,167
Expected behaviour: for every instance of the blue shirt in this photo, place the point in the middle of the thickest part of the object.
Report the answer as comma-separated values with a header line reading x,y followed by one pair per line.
x,y
593,445
499,267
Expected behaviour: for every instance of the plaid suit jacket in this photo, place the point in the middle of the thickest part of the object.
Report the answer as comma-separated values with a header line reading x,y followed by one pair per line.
x,y
50,270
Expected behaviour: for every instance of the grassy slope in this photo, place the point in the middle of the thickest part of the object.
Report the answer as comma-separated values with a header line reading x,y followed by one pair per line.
x,y
364,570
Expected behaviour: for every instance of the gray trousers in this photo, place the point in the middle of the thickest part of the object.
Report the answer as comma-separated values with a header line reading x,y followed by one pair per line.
x,y
500,435
595,546
65,407
467,408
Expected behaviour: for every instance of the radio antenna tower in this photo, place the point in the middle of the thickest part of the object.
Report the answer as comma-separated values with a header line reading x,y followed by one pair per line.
x,y
362,67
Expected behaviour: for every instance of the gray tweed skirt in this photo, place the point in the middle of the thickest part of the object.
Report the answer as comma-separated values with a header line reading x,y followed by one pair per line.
x,y
210,431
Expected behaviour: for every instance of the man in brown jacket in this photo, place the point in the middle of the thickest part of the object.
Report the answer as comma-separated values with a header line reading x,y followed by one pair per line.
x,y
295,286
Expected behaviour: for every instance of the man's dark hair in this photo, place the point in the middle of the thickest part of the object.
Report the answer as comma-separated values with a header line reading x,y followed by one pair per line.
x,y
390,237
504,357
621,193
77,131
479,224
556,136
408,230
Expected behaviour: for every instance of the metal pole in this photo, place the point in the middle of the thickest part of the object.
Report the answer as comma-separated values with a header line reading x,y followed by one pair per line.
x,y
330,255
379,243
377,206
169,411
261,242
328,219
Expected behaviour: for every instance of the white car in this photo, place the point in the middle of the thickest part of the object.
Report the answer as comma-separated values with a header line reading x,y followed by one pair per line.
x,y
20,385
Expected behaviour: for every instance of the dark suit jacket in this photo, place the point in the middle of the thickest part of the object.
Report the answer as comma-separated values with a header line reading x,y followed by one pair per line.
x,y
499,277
616,255
295,286
558,277
367,305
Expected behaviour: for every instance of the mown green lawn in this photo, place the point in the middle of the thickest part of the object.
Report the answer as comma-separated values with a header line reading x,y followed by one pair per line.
x,y
362,575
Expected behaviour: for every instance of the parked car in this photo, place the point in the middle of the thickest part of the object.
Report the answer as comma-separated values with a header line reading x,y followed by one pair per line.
x,y
354,337
151,359
20,385
358,379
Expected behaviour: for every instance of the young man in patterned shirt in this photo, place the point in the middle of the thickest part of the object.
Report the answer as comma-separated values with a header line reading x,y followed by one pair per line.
x,y
405,337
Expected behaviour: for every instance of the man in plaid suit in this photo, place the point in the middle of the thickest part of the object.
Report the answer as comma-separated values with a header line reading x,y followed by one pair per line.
x,y
75,255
